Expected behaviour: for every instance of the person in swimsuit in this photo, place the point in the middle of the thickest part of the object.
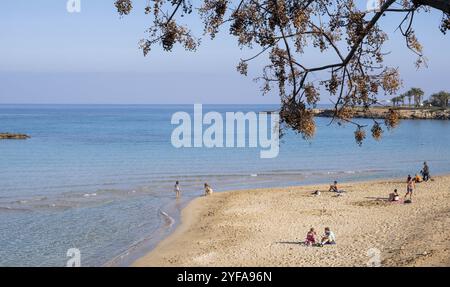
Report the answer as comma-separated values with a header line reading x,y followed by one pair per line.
x,y
208,189
334,187
177,189
394,196
410,186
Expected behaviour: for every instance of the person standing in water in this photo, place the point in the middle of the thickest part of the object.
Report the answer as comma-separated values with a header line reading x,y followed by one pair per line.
x,y
177,189
208,189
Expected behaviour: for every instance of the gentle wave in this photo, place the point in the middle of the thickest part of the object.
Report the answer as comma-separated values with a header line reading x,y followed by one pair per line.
x,y
159,188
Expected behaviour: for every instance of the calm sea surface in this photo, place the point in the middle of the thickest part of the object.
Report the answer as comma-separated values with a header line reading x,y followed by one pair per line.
x,y
100,178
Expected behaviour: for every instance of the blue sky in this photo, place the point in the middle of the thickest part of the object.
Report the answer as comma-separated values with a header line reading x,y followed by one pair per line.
x,y
48,55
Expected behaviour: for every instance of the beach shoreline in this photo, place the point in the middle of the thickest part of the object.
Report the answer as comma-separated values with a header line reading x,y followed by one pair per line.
x,y
263,227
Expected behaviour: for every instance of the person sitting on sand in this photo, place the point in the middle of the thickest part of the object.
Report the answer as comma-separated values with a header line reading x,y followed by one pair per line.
x,y
410,187
328,237
334,187
394,196
208,189
311,237
417,178
177,189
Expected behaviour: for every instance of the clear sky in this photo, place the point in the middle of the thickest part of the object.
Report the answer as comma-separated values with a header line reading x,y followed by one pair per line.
x,y
48,55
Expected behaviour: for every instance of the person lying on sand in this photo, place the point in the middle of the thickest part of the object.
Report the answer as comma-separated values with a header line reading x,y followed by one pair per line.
x,y
316,193
394,196
328,237
311,237
208,189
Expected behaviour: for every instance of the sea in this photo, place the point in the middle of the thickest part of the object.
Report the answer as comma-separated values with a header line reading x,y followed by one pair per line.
x,y
99,178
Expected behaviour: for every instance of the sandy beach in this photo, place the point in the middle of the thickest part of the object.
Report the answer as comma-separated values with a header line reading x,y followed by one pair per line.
x,y
265,227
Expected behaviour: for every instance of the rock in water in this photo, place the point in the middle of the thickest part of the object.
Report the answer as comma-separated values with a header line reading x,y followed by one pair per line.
x,y
8,136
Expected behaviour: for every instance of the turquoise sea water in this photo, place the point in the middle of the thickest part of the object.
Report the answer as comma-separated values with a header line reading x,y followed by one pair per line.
x,y
100,178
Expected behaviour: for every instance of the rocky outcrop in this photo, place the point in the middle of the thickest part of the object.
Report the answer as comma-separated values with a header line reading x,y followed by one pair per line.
x,y
381,113
8,136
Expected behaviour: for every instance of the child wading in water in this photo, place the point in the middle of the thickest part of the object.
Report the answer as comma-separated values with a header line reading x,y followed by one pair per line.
x,y
177,189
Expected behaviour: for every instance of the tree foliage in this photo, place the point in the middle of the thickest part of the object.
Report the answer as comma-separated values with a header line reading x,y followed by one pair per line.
x,y
440,99
417,95
285,31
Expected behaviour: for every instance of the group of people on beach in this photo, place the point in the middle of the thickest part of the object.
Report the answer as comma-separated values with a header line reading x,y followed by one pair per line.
x,y
333,188
327,238
411,184
208,189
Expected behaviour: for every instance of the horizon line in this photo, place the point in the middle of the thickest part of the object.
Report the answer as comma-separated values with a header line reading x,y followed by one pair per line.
x,y
128,104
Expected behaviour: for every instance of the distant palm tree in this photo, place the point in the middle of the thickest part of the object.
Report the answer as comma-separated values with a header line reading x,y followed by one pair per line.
x,y
440,99
413,93
409,96
402,99
395,101
417,93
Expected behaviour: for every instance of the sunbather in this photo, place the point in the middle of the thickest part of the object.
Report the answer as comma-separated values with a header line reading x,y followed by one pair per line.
x,y
394,196
334,187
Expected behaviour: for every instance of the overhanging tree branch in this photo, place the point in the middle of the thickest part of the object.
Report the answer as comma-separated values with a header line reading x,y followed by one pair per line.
x,y
287,30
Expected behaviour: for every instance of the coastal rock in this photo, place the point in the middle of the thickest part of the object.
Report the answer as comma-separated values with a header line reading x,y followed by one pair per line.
x,y
9,136
382,112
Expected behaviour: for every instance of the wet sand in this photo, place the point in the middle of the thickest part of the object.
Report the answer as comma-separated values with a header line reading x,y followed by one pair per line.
x,y
265,227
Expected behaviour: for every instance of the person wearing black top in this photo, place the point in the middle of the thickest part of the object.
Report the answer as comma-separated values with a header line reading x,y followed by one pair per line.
x,y
425,172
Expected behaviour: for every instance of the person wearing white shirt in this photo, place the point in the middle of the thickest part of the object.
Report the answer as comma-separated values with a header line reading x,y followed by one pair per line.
x,y
328,237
